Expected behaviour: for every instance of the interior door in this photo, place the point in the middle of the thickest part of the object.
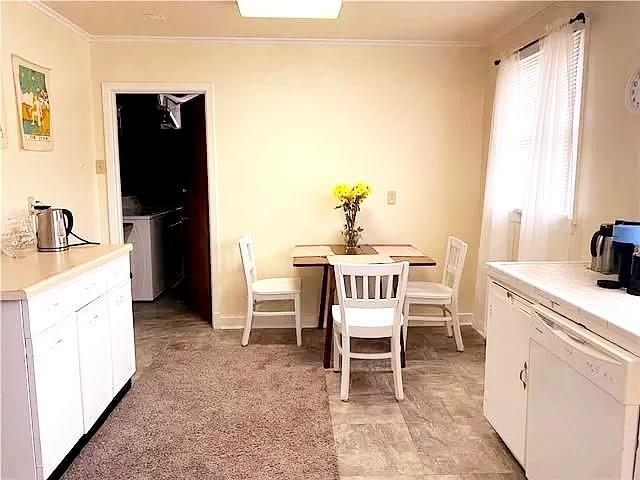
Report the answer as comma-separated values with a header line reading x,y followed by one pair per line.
x,y
505,397
197,258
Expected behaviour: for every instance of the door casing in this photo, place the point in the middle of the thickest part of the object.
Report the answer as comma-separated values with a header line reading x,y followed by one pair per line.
x,y
114,198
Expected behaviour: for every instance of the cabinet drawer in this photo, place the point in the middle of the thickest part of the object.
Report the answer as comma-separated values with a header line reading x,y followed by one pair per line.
x,y
47,308
88,287
117,271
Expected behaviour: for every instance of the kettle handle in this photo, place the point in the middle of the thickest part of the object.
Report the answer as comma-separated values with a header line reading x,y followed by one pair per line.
x,y
68,224
594,244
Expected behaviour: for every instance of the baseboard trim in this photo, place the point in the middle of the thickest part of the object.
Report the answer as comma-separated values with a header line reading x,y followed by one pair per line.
x,y
235,322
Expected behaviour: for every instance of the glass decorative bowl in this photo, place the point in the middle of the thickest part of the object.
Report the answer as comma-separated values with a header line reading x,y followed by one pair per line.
x,y
18,236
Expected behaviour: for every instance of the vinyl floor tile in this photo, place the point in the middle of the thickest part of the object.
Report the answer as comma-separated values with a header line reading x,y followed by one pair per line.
x,y
365,409
376,449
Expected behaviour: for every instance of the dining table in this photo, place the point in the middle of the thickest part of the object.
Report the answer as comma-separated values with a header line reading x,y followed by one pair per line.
x,y
325,256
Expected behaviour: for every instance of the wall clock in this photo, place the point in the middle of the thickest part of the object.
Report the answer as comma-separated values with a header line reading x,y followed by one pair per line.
x,y
633,92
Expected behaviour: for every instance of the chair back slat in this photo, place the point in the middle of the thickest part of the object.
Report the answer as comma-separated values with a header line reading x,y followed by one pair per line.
x,y
454,263
366,288
390,291
248,260
381,286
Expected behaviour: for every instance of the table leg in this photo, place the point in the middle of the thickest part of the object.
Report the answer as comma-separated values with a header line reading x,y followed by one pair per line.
x,y
403,354
328,338
323,296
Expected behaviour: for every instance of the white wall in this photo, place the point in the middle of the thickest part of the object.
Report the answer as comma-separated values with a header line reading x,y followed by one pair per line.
x,y
66,175
293,120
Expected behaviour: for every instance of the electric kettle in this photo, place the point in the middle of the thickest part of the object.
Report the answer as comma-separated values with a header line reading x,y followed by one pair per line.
x,y
602,257
53,228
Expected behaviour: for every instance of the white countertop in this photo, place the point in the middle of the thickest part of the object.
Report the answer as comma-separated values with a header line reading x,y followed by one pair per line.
x,y
610,313
24,277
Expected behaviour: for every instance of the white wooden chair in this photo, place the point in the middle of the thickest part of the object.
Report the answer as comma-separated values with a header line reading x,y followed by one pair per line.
x,y
370,306
267,289
444,295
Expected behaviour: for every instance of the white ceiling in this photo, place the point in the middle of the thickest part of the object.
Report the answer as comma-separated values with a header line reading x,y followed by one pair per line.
x,y
410,21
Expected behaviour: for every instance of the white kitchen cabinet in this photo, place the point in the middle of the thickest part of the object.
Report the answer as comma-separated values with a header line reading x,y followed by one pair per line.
x,y
95,360
57,386
67,326
507,355
122,339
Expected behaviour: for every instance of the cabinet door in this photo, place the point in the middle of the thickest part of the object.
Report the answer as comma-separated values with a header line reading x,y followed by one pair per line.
x,y
95,360
507,356
122,339
57,385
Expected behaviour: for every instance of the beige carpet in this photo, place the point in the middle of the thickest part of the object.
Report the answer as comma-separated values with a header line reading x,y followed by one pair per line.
x,y
218,411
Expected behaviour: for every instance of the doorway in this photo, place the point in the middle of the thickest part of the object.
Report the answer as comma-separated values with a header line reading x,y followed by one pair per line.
x,y
160,154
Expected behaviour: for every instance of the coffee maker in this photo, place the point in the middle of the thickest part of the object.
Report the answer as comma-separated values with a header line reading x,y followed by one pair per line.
x,y
626,242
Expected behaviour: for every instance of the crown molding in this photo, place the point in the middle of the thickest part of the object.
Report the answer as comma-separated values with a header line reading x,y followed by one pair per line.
x,y
279,41
52,14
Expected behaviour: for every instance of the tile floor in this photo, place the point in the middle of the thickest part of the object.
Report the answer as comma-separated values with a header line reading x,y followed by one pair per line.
x,y
437,433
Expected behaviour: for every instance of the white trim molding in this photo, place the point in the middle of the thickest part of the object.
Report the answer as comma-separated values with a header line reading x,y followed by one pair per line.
x,y
114,198
282,41
53,15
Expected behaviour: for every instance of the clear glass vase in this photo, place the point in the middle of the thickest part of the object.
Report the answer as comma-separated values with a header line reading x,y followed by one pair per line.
x,y
18,236
351,239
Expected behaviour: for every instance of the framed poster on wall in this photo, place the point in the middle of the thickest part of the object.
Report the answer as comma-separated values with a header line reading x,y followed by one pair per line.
x,y
33,95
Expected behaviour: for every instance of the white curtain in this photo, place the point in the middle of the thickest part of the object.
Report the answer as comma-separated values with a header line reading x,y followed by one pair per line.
x,y
544,231
500,198
533,178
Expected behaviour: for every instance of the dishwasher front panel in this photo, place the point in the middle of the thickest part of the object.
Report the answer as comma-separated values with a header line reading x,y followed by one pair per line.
x,y
575,429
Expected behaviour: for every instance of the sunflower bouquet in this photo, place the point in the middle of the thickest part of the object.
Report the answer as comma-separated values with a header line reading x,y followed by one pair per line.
x,y
349,198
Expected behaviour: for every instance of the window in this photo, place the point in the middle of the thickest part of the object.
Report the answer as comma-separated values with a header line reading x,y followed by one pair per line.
x,y
568,134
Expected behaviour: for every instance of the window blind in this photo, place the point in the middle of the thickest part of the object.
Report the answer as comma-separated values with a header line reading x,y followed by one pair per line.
x,y
565,165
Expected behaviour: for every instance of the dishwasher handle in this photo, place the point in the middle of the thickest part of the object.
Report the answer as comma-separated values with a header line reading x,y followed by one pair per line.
x,y
554,324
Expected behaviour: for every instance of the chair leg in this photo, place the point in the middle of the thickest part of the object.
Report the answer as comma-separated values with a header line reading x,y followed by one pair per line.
x,y
396,367
247,322
405,327
337,337
346,367
296,307
455,317
447,323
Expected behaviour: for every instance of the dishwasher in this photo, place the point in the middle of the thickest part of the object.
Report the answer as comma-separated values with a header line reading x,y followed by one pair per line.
x,y
582,412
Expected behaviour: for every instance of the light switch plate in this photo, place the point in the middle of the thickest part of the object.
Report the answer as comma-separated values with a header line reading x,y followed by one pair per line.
x,y
391,197
101,167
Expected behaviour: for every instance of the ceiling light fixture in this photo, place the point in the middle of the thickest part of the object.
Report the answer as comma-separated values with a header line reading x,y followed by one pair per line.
x,y
329,9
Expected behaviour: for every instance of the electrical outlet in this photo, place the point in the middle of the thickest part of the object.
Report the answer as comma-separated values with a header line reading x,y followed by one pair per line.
x,y
31,201
391,197
101,167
